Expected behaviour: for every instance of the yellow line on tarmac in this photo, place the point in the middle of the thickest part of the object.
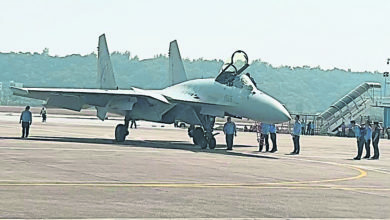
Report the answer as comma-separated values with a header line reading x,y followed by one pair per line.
x,y
190,185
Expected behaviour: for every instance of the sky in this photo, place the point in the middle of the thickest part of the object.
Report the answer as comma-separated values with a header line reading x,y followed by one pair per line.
x,y
346,34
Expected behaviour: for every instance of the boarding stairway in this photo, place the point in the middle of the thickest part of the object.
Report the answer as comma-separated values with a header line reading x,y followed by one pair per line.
x,y
352,106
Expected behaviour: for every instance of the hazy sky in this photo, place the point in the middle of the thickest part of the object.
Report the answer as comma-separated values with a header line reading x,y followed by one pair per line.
x,y
328,33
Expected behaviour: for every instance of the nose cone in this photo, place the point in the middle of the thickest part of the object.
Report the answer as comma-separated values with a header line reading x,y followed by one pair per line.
x,y
282,113
271,111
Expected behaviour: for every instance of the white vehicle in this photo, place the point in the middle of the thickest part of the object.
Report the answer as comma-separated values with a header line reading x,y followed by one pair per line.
x,y
196,102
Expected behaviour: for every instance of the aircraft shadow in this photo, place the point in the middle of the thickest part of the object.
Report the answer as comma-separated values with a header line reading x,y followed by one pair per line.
x,y
157,144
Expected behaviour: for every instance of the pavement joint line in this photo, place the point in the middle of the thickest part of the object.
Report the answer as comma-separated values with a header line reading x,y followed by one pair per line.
x,y
362,174
175,185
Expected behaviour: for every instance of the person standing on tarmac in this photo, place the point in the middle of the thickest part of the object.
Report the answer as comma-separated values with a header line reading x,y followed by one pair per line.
x,y
296,133
229,129
375,140
43,114
359,134
133,122
343,127
264,133
26,121
272,131
367,138
308,128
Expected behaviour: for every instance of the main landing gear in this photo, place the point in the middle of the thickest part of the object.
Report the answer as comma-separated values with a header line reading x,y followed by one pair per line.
x,y
122,130
203,136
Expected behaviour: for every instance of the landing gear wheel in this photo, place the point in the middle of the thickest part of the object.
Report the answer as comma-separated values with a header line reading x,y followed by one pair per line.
x,y
212,143
199,138
120,133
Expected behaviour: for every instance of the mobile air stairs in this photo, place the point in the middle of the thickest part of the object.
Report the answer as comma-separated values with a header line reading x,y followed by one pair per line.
x,y
352,106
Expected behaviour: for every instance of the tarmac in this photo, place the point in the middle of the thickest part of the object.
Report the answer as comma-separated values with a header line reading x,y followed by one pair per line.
x,y
70,167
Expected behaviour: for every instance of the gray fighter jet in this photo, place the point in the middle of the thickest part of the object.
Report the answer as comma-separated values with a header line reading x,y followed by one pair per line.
x,y
196,102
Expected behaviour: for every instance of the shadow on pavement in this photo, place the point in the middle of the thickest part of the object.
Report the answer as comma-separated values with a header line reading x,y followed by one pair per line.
x,y
158,144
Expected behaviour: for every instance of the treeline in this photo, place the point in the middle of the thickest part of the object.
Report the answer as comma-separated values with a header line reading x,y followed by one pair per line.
x,y
302,89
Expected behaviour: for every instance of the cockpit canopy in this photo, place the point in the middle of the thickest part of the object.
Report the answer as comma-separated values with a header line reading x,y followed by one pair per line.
x,y
230,75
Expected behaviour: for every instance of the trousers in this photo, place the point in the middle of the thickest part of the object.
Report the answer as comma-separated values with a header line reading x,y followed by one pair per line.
x,y
273,139
229,141
367,146
297,147
25,129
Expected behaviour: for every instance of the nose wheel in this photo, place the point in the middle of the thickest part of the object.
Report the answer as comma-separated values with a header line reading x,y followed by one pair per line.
x,y
199,138
204,137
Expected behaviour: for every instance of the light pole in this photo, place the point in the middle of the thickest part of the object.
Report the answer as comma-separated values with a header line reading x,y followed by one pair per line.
x,y
385,75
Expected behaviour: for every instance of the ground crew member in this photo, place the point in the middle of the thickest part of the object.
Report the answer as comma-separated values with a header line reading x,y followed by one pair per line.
x,y
343,129
312,127
359,134
375,140
272,131
26,120
308,130
264,133
296,133
133,123
303,127
388,132
229,129
43,114
367,139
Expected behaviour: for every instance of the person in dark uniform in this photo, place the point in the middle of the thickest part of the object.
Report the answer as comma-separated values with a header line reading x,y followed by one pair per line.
x,y
26,121
229,129
133,122
343,127
375,140
272,132
296,133
308,128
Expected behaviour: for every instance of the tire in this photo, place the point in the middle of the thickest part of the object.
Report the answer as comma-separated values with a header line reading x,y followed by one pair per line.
x,y
182,125
199,138
212,143
120,133
203,143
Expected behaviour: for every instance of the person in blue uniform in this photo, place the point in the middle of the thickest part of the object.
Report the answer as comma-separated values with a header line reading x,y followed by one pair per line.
x,y
230,131
359,135
264,132
26,121
296,134
367,139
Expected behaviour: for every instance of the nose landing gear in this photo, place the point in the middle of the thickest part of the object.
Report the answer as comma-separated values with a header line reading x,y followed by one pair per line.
x,y
204,137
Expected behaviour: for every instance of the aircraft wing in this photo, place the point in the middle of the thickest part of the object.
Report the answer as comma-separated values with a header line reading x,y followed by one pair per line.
x,y
75,99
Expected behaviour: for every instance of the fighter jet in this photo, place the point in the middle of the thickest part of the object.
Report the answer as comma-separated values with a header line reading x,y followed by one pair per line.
x,y
197,102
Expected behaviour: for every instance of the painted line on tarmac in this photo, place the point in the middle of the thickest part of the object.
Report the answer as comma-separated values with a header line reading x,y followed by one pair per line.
x,y
190,185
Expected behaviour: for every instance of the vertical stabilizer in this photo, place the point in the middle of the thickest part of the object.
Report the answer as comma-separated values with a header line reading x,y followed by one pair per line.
x,y
106,79
177,74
